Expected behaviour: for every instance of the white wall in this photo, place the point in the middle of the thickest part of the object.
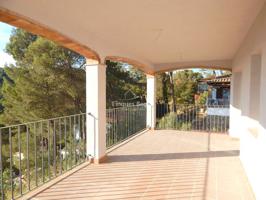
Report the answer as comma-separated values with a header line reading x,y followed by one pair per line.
x,y
248,104
218,111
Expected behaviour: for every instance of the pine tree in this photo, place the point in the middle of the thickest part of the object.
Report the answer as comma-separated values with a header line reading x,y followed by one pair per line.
x,y
3,75
186,82
46,82
121,79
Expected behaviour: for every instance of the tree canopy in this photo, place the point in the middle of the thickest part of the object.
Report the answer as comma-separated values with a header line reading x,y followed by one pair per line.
x,y
178,87
186,83
122,79
3,76
46,81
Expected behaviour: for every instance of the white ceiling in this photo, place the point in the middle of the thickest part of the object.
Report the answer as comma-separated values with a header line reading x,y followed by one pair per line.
x,y
159,33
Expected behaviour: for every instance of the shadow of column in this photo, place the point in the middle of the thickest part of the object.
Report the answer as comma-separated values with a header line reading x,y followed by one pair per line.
x,y
204,196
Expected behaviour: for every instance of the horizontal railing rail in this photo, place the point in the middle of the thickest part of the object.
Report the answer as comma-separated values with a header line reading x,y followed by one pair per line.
x,y
223,102
35,152
124,122
213,118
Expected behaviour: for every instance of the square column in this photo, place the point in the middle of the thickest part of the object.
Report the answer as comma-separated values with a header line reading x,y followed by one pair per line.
x,y
151,102
235,105
96,112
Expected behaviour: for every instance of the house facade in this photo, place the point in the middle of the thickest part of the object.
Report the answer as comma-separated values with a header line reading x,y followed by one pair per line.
x,y
218,89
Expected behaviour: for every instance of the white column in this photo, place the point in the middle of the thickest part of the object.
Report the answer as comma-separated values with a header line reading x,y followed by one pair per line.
x,y
151,101
235,105
96,111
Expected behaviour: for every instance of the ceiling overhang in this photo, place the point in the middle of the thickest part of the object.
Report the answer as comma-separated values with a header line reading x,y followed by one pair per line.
x,y
154,36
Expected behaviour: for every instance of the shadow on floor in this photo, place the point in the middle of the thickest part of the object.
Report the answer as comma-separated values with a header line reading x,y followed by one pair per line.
x,y
170,156
179,176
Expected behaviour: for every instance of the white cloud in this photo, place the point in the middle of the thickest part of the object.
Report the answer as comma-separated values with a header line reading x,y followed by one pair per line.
x,y
6,59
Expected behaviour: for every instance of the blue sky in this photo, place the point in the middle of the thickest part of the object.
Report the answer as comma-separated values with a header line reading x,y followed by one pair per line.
x,y
5,31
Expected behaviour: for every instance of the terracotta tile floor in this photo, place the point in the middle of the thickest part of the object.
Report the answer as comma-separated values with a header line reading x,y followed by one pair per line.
x,y
162,165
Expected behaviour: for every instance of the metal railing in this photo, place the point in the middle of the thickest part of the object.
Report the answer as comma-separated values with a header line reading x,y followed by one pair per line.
x,y
33,153
223,102
36,152
214,118
124,122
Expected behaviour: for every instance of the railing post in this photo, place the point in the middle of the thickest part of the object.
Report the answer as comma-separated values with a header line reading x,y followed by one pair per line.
x,y
151,102
96,112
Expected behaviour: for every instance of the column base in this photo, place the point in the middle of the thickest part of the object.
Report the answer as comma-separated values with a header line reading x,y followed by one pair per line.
x,y
103,159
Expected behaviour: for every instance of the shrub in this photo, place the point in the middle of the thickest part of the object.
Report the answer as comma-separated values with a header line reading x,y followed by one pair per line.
x,y
169,121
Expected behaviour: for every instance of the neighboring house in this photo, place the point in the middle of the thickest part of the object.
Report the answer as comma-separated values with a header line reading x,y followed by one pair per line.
x,y
218,89
219,94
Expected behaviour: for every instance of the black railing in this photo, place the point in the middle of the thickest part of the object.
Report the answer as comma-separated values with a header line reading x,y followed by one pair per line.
x,y
33,153
36,152
124,122
216,102
214,118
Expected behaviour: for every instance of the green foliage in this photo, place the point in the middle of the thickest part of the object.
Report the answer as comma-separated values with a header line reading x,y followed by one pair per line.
x,y
126,123
115,81
186,86
202,99
46,82
136,82
193,118
3,76
120,80
170,121
64,140
20,40
184,83
162,84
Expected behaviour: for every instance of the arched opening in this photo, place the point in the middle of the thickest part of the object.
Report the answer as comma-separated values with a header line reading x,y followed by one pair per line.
x,y
126,95
207,67
132,62
194,99
30,25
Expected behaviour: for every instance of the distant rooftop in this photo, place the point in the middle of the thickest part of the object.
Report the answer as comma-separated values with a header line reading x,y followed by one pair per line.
x,y
218,79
